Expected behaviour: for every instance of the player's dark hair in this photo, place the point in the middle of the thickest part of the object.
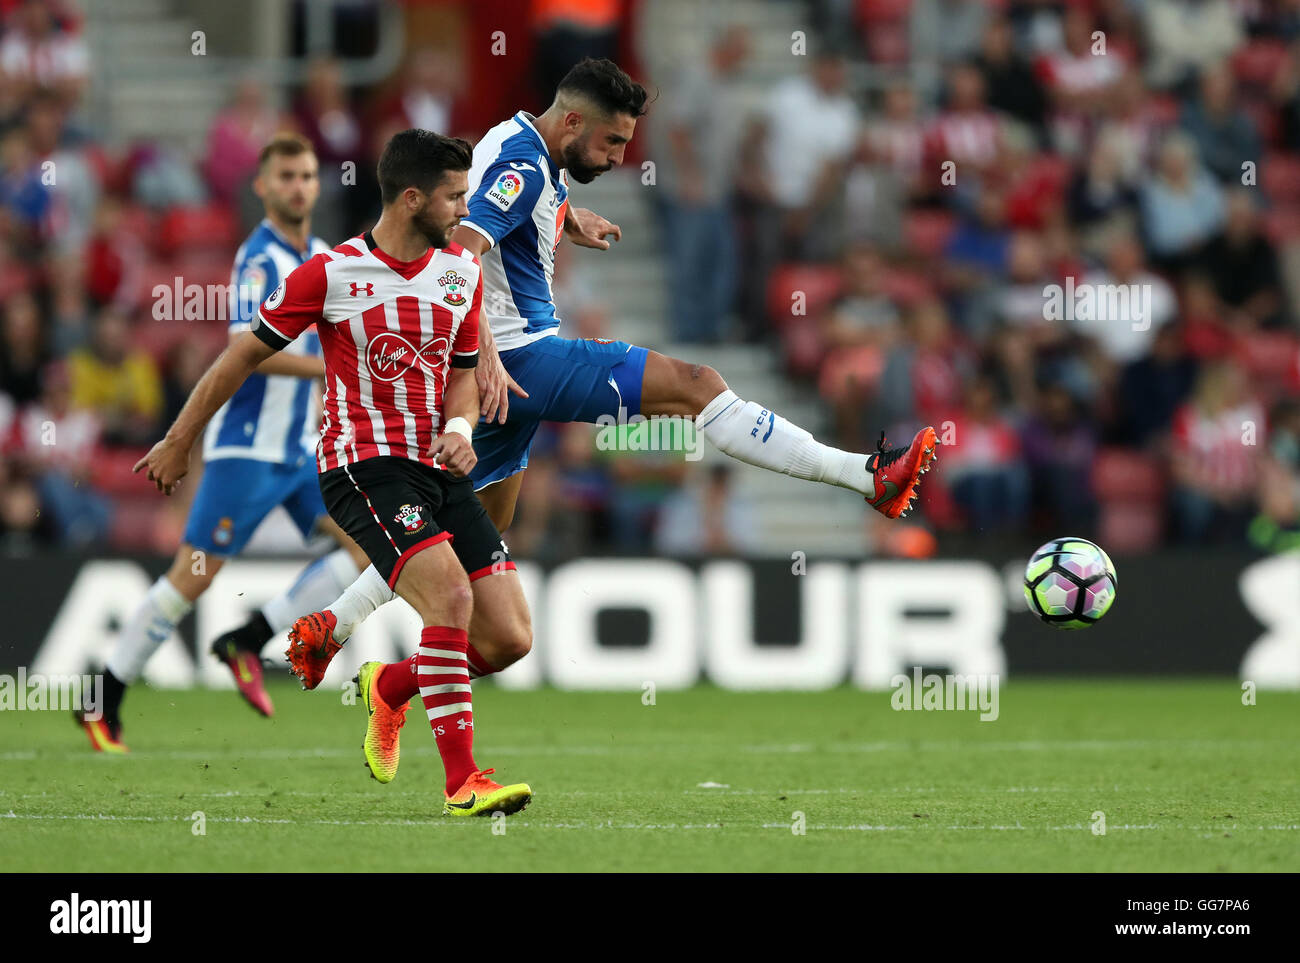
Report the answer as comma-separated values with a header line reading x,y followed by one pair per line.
x,y
284,144
420,159
605,85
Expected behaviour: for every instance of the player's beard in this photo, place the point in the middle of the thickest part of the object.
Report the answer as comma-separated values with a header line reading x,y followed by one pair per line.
x,y
438,235
575,162
288,214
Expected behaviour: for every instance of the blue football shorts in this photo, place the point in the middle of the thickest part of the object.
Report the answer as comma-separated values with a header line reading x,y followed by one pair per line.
x,y
236,494
567,379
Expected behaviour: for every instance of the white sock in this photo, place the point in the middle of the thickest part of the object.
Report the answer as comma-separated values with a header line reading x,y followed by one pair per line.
x,y
317,584
358,600
150,626
755,435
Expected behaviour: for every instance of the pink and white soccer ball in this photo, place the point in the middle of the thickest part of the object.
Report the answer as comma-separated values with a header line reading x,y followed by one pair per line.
x,y
1070,583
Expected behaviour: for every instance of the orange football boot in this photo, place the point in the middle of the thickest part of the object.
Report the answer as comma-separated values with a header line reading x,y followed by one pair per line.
x,y
311,646
897,472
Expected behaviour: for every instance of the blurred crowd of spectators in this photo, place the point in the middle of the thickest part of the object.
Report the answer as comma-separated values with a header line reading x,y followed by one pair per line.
x,y
93,365
891,219
896,215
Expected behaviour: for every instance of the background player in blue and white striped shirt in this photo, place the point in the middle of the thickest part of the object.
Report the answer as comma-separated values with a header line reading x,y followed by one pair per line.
x,y
519,212
259,452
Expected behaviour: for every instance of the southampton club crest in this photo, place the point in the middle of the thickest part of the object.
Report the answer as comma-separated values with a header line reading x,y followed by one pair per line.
x,y
411,518
453,286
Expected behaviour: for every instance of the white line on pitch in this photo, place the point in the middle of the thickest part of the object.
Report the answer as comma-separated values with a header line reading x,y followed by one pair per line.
x,y
326,752
610,824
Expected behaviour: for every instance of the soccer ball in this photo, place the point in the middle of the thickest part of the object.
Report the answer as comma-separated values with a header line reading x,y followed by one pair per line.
x,y
1070,583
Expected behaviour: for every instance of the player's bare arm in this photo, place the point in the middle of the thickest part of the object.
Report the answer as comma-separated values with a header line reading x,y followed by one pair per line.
x,y
169,460
460,404
494,382
293,365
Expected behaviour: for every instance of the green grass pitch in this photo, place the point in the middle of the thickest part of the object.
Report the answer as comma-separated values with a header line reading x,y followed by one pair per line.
x,y
705,780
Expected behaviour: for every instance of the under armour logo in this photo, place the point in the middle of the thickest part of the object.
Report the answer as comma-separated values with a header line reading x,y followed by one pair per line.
x,y
465,724
370,289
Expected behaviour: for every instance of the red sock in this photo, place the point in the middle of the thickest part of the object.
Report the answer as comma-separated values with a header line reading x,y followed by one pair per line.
x,y
398,684
443,672
478,666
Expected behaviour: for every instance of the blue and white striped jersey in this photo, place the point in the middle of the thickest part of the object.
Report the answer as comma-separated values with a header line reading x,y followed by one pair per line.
x,y
518,202
271,418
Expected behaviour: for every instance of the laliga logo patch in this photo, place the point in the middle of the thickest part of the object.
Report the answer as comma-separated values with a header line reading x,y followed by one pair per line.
x,y
409,516
389,356
505,190
454,288
276,297
252,284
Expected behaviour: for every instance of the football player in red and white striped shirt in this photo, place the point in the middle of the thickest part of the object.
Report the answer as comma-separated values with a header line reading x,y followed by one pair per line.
x,y
397,313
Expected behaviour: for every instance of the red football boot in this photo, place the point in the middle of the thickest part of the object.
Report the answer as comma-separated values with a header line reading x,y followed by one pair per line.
x,y
247,669
897,472
311,646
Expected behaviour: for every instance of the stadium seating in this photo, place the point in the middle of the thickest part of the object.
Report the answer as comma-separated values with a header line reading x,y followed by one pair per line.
x,y
1257,63
818,284
1280,177
210,227
113,475
926,232
909,288
1130,487
134,520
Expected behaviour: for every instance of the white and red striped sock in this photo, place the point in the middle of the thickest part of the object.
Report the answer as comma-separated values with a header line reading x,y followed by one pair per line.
x,y
443,672
400,683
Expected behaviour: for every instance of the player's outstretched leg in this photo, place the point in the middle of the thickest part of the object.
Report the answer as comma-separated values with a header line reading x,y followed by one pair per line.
x,y
751,433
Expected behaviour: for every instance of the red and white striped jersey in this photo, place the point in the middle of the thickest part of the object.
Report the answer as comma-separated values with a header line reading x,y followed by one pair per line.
x,y
390,331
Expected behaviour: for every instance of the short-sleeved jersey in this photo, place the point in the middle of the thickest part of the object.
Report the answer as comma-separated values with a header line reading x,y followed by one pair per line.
x,y
518,202
271,418
390,331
